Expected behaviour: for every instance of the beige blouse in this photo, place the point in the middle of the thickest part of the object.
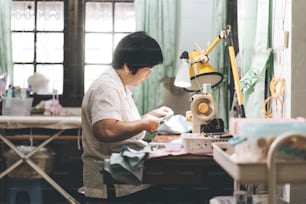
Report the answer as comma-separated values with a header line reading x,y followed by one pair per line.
x,y
106,98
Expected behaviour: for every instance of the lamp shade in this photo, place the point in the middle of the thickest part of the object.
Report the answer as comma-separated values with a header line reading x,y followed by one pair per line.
x,y
182,78
202,72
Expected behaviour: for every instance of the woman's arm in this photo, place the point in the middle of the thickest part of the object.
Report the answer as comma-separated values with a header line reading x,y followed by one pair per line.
x,y
111,130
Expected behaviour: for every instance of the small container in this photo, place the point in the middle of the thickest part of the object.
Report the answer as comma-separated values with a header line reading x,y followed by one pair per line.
x,y
17,106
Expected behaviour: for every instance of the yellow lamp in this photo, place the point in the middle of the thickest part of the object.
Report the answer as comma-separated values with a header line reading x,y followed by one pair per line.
x,y
201,72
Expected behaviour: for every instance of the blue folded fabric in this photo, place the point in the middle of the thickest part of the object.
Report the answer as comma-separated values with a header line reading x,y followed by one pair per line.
x,y
127,166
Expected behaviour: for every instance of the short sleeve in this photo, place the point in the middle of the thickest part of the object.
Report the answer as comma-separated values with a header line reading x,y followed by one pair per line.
x,y
105,104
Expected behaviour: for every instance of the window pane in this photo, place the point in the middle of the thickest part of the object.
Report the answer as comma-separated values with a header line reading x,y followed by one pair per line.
x,y
21,74
98,17
23,47
22,16
92,72
50,16
50,47
124,17
55,75
98,48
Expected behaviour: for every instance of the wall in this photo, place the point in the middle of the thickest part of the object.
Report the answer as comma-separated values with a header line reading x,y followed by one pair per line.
x,y
282,53
298,71
195,26
282,22
289,63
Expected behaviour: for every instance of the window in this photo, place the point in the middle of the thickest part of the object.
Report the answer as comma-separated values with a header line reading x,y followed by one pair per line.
x,y
70,42
106,22
37,37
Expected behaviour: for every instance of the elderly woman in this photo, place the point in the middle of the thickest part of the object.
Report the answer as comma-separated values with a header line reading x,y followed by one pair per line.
x,y
110,118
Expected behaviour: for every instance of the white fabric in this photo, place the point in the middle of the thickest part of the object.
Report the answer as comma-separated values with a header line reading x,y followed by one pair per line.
x,y
49,122
39,83
105,98
253,32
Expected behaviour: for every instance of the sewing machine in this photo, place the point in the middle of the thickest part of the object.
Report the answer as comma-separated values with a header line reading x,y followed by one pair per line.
x,y
204,110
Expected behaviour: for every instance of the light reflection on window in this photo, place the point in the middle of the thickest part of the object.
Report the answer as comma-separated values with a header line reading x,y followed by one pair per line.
x,y
55,75
50,47
124,17
21,74
98,48
50,16
92,72
22,16
23,47
98,17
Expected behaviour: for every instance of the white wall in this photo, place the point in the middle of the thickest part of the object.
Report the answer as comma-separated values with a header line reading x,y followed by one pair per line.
x,y
195,26
298,56
289,63
282,22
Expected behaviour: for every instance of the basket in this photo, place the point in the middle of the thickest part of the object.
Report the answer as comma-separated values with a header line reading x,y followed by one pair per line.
x,y
44,159
197,143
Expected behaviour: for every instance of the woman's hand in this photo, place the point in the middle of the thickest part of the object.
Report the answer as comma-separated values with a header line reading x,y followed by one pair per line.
x,y
151,122
162,112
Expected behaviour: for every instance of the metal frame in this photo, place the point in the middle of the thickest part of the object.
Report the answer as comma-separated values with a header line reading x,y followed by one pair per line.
x,y
25,158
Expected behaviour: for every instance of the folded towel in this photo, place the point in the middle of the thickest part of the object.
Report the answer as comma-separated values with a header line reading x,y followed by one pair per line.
x,y
127,166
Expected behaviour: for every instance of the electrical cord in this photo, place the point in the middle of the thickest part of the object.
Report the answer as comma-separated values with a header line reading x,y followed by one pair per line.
x,y
276,95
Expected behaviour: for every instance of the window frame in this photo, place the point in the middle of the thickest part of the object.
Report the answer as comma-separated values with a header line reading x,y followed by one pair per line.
x,y
74,50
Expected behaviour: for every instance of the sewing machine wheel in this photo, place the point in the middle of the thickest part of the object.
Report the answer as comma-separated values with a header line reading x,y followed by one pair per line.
x,y
203,108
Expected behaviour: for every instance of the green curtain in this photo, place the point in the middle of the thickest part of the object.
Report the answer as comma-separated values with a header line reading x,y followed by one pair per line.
x,y
157,18
6,62
218,58
253,31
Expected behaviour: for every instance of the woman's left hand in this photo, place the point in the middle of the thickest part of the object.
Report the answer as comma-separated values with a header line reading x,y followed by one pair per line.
x,y
162,112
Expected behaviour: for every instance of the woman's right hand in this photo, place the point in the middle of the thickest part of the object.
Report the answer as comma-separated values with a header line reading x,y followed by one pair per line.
x,y
151,122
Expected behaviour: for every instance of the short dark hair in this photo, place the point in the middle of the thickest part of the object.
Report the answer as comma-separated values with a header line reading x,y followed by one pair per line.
x,y
137,50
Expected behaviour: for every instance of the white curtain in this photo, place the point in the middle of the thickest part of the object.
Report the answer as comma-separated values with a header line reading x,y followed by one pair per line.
x,y
253,32
6,62
217,58
157,18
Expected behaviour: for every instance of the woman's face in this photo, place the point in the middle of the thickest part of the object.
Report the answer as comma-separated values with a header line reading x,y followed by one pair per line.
x,y
140,76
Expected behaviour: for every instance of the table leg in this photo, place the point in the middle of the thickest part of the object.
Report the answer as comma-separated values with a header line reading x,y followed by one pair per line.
x,y
51,182
26,158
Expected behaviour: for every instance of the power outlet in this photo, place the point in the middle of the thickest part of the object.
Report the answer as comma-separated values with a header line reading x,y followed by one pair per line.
x,y
285,193
284,39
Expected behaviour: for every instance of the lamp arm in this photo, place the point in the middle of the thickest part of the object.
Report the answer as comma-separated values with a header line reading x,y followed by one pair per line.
x,y
236,80
223,34
229,42
213,45
227,36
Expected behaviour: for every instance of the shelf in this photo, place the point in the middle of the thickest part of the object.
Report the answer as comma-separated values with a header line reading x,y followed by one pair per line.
x,y
257,172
